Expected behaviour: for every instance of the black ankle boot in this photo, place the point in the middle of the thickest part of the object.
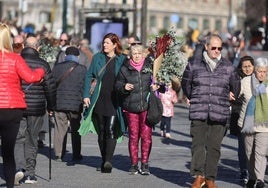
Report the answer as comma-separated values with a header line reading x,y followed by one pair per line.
x,y
107,167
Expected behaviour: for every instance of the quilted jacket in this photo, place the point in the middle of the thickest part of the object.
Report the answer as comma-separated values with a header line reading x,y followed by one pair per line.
x,y
136,100
13,69
208,91
40,96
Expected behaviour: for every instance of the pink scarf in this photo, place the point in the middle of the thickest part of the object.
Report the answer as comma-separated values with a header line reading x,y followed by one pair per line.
x,y
137,65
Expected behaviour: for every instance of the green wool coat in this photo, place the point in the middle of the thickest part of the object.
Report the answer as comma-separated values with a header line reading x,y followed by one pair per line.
x,y
88,124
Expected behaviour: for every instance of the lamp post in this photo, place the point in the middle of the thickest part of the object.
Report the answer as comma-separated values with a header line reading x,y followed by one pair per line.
x,y
81,20
135,17
144,22
64,16
124,12
265,46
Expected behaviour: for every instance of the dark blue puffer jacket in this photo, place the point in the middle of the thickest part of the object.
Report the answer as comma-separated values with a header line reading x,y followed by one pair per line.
x,y
39,96
209,91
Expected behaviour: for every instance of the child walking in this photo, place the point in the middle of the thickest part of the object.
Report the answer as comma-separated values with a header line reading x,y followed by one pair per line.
x,y
168,99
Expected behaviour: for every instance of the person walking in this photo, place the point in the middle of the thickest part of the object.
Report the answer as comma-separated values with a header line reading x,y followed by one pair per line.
x,y
168,99
83,59
39,98
13,69
254,121
207,82
69,76
133,85
245,68
103,115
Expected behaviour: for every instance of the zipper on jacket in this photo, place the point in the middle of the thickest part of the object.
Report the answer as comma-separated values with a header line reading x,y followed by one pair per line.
x,y
141,91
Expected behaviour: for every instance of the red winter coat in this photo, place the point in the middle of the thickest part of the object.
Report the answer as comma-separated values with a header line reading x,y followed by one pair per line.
x,y
13,69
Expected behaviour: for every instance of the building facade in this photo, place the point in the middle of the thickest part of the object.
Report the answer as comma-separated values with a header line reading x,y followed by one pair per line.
x,y
204,15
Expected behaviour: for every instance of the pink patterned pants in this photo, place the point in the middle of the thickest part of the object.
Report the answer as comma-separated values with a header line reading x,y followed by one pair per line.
x,y
139,130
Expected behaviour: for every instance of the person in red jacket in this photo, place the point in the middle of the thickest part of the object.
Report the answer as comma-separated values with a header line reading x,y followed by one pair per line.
x,y
13,69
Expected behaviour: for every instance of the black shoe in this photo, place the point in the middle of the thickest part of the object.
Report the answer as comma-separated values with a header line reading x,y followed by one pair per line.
x,y
75,160
107,167
145,169
259,184
250,183
41,144
244,177
29,179
134,169
79,158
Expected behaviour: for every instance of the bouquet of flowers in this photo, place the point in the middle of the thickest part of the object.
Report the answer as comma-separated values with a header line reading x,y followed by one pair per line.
x,y
48,52
169,62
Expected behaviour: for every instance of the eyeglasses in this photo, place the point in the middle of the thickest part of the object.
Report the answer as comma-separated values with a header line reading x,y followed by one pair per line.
x,y
63,40
214,48
135,43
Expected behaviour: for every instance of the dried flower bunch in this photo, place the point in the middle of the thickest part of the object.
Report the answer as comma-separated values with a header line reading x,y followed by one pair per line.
x,y
169,61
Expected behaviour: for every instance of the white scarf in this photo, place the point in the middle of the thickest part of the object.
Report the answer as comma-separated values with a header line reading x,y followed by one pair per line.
x,y
211,62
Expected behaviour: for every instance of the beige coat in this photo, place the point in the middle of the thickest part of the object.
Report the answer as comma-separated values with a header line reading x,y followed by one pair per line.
x,y
245,95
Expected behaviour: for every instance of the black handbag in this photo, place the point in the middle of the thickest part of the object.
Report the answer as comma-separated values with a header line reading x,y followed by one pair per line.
x,y
155,109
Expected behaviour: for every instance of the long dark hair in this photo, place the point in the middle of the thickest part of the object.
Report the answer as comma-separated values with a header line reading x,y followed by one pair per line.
x,y
239,67
115,40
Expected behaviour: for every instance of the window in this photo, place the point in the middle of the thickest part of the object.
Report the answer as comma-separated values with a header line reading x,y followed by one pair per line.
x,y
152,21
205,24
45,17
166,23
180,23
218,25
193,23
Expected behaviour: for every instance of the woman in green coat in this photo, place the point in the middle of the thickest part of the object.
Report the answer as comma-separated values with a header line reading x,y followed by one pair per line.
x,y
104,116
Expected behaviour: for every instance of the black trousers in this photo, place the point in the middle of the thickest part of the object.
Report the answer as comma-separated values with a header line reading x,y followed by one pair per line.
x,y
9,127
106,136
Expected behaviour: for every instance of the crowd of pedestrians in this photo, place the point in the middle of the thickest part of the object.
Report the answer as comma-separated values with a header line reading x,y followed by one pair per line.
x,y
107,93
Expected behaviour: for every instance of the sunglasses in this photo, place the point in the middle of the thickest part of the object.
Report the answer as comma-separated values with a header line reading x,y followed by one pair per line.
x,y
135,43
214,48
63,40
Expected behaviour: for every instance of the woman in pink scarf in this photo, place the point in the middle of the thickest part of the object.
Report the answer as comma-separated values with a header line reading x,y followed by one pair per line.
x,y
133,84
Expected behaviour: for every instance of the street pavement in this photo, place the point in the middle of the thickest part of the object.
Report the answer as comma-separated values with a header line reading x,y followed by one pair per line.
x,y
169,163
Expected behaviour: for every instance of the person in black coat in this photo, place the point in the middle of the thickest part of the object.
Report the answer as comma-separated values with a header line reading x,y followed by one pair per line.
x,y
69,76
40,98
133,83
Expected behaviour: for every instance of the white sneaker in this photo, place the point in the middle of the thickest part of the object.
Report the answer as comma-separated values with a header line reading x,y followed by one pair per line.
x,y
18,176
162,133
30,180
168,135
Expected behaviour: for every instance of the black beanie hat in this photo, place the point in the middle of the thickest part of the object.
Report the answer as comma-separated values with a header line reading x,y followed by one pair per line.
x,y
72,51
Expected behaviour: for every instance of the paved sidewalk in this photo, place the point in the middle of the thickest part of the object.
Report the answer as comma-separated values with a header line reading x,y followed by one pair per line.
x,y
169,163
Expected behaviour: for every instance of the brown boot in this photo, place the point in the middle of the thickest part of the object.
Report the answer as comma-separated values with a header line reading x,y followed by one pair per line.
x,y
198,182
210,184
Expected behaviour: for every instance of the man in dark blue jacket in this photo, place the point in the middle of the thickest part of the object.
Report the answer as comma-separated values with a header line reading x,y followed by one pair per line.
x,y
207,82
40,98
69,76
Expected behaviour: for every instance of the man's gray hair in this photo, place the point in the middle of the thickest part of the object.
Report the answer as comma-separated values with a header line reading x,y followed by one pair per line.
x,y
32,42
208,38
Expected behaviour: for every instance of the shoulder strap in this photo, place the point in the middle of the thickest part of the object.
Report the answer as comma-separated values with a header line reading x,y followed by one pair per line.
x,y
102,68
66,74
